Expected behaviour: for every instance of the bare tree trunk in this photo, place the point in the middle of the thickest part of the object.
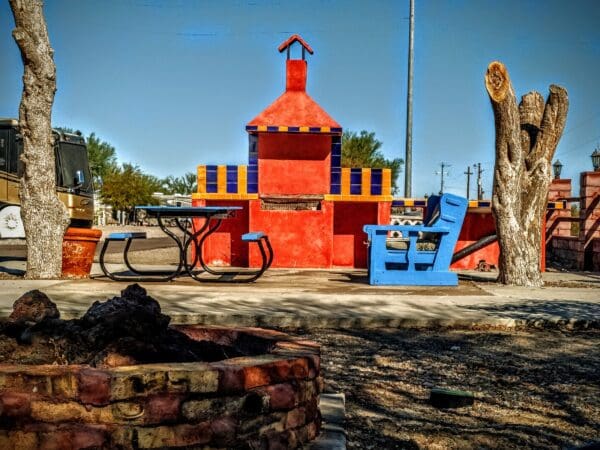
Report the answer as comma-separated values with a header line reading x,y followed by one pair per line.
x,y
44,217
526,139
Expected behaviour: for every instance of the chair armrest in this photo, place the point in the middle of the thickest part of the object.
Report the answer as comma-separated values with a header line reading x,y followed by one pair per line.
x,y
405,228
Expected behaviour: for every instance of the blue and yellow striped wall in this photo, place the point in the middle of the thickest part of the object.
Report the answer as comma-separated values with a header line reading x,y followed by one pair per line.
x,y
226,182
356,184
360,184
422,203
286,129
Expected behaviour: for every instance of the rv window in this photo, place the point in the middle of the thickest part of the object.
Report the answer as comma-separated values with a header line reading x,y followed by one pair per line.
x,y
72,158
3,149
13,156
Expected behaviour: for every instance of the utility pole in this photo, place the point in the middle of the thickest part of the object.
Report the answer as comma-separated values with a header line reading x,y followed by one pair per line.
x,y
408,154
479,183
443,165
468,173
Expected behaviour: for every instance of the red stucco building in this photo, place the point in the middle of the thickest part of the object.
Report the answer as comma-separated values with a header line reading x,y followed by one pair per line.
x,y
293,187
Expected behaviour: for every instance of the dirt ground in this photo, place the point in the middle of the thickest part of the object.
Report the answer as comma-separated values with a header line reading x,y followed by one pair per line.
x,y
534,389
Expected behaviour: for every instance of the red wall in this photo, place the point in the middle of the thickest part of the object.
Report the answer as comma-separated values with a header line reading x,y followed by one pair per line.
x,y
225,247
299,238
293,163
475,226
349,249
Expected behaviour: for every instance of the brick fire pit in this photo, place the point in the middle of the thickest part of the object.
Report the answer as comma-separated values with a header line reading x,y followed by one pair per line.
x,y
265,401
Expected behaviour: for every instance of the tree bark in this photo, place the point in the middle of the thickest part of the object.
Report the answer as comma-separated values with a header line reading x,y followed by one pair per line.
x,y
45,218
526,139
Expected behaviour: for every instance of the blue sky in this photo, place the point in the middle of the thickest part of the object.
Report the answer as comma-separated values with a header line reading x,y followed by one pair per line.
x,y
172,83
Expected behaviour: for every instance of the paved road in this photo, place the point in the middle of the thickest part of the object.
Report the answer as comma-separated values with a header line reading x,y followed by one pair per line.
x,y
18,250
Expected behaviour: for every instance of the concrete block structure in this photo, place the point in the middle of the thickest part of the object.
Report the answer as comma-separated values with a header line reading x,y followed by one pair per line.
x,y
580,251
294,187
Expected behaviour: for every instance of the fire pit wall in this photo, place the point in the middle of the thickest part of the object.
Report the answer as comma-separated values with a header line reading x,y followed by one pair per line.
x,y
265,401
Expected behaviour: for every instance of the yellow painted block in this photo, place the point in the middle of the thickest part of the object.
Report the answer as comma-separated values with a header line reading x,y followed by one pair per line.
x,y
222,179
409,202
473,203
386,182
283,128
325,129
304,129
365,181
201,179
261,128
345,181
197,196
242,180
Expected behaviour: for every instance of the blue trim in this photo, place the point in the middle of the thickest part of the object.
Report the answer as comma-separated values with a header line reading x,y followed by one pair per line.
x,y
232,174
252,176
375,189
232,188
211,174
211,188
376,176
336,189
355,189
356,176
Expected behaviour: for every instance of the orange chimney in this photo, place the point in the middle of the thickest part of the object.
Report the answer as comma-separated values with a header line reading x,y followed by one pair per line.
x,y
295,75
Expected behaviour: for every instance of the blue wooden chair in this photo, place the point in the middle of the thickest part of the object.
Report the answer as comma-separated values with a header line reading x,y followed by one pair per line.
x,y
425,253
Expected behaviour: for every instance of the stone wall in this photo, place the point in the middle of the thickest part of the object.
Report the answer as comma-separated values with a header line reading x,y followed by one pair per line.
x,y
255,402
566,252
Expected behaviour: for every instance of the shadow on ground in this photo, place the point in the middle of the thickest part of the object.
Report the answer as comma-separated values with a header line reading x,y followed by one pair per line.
x,y
538,389
532,310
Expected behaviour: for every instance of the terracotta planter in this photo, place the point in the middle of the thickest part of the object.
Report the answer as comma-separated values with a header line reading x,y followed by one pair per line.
x,y
79,247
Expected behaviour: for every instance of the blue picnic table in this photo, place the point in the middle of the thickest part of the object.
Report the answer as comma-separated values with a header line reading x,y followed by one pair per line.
x,y
190,237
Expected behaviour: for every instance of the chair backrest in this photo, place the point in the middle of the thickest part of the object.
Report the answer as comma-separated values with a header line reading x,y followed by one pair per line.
x,y
452,210
432,211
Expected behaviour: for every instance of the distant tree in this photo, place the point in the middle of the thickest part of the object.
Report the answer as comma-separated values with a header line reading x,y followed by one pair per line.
x,y
362,150
127,186
103,158
45,217
186,184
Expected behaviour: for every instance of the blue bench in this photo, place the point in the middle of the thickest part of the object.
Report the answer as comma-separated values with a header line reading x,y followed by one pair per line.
x,y
128,238
246,276
428,248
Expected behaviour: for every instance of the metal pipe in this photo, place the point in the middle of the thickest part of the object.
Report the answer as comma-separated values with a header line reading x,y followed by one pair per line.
x,y
484,241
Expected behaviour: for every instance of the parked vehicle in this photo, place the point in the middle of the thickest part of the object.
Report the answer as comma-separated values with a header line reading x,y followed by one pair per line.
x,y
73,178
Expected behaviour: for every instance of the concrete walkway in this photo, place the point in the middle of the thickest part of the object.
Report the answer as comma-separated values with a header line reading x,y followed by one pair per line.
x,y
319,298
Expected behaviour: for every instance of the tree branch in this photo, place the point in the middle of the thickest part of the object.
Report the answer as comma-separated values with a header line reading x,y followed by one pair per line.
x,y
552,126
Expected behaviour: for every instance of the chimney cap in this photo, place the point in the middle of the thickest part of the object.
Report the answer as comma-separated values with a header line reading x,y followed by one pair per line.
x,y
295,38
